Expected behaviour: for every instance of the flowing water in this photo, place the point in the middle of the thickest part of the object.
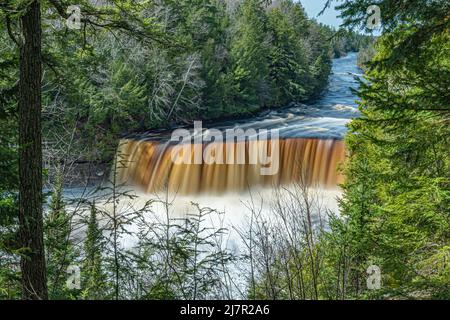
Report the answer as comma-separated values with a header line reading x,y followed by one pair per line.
x,y
309,148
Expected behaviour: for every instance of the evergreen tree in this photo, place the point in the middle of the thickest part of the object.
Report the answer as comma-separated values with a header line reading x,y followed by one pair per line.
x,y
249,56
94,279
288,66
396,194
60,252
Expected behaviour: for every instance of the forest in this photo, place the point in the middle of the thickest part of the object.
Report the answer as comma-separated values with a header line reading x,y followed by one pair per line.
x,y
71,87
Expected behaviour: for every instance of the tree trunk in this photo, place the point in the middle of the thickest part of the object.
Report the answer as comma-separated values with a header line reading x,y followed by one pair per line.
x,y
34,282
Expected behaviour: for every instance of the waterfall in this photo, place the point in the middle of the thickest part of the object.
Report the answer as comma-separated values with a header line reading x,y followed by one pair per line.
x,y
149,165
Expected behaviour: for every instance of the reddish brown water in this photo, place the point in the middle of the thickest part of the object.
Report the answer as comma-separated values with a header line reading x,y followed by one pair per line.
x,y
149,165
310,148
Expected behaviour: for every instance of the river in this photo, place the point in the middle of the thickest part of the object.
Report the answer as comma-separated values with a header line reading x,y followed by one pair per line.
x,y
301,142
310,134
314,129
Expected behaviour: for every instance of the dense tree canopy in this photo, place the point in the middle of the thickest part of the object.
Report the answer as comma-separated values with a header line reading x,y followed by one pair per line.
x,y
144,65
396,196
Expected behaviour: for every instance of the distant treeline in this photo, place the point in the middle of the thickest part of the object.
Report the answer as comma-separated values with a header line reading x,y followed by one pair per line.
x,y
210,59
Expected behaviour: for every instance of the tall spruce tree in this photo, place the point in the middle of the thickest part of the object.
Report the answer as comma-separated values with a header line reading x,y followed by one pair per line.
x,y
249,55
288,68
396,194
59,249
94,283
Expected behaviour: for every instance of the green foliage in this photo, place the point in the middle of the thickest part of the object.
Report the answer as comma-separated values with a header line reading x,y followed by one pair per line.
x,y
344,41
199,60
394,212
365,55
60,252
182,258
249,55
396,194
288,65
8,115
94,285
219,63
152,65
10,286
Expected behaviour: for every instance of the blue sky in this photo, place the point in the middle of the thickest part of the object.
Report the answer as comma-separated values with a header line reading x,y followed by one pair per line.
x,y
313,7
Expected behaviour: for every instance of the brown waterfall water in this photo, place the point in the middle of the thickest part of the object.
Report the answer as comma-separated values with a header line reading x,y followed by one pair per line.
x,y
310,147
149,166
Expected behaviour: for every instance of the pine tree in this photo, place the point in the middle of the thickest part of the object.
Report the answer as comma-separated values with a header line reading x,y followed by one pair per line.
x,y
60,252
94,280
396,193
288,66
249,55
